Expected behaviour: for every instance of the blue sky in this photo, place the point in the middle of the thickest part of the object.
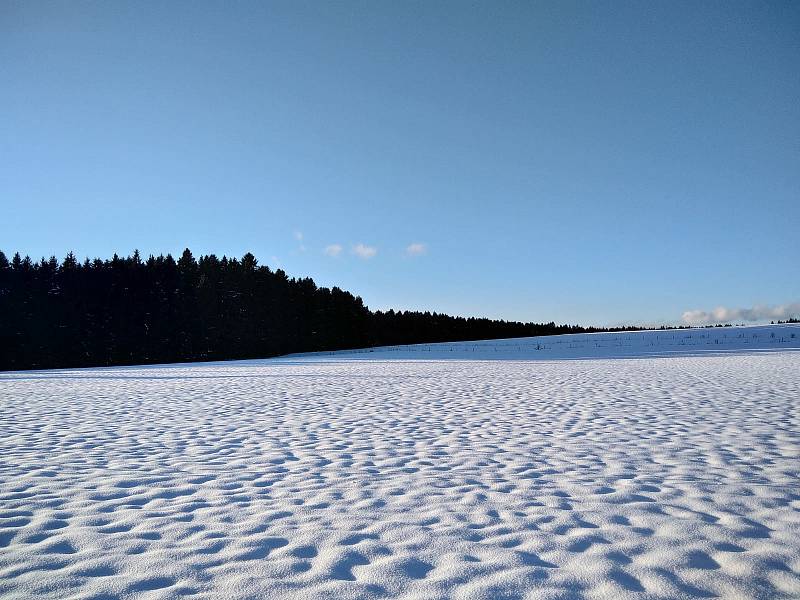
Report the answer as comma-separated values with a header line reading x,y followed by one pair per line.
x,y
578,162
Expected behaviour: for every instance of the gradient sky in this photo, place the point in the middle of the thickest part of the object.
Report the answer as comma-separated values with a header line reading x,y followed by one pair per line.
x,y
578,162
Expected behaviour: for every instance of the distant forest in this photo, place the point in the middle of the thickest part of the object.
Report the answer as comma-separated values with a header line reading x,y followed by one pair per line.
x,y
127,311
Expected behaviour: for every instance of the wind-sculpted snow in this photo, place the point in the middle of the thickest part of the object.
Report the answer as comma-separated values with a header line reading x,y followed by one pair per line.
x,y
315,477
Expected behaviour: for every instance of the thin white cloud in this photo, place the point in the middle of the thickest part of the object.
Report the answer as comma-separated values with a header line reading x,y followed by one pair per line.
x,y
333,250
364,251
416,249
722,314
298,235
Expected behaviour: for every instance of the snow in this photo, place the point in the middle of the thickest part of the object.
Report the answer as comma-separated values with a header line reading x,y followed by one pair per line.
x,y
646,467
684,342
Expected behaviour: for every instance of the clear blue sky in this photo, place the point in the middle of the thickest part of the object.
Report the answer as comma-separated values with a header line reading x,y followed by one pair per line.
x,y
578,162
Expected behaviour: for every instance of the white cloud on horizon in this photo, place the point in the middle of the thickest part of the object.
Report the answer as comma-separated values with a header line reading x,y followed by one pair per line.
x,y
333,250
416,249
364,251
760,312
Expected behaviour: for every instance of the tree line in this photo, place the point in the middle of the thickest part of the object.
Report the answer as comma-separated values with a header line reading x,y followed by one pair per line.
x,y
127,310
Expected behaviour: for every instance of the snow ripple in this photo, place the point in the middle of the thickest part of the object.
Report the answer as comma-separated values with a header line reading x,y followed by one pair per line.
x,y
647,478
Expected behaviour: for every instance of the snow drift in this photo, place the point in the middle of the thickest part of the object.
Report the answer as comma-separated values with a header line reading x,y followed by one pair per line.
x,y
658,465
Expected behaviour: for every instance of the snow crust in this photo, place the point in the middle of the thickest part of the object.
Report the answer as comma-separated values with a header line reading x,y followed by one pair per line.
x,y
670,471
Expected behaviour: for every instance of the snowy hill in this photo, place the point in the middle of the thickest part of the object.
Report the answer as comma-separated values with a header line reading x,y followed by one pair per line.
x,y
684,342
662,465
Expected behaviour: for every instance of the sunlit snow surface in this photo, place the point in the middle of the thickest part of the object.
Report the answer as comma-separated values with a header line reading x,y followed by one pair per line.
x,y
404,473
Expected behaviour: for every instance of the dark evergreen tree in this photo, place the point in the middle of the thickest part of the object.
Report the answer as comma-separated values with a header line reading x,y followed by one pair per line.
x,y
128,311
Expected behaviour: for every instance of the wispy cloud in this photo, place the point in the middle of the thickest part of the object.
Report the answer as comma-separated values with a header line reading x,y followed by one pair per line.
x,y
333,250
364,251
416,249
298,235
722,314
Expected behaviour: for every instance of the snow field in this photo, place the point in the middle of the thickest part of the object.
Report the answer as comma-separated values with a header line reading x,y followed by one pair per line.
x,y
336,478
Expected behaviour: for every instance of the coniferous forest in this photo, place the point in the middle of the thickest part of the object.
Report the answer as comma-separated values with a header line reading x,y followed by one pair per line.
x,y
131,311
